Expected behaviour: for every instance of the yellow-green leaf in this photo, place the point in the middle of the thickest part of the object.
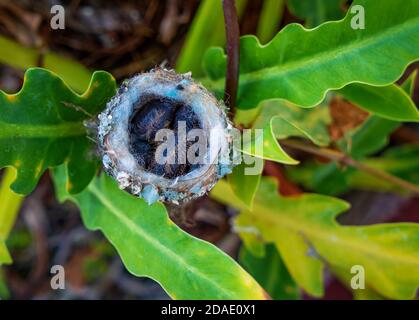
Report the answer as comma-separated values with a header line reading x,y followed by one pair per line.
x,y
244,184
307,235
270,271
4,253
390,102
306,123
264,145
315,12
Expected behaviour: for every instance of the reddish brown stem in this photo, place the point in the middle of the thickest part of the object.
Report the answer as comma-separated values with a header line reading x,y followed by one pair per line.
x,y
233,54
345,159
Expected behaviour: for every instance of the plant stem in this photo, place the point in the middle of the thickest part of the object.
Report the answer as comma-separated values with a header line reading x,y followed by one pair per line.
x,y
231,23
10,203
345,159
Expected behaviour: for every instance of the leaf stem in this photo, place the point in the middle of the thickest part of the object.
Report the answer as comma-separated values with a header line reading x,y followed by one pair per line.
x,y
345,159
10,203
231,23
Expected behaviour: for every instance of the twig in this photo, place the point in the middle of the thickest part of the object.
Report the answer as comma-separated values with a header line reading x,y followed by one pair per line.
x,y
343,158
231,23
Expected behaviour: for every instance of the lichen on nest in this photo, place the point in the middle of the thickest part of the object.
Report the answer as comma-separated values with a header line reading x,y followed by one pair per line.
x,y
128,128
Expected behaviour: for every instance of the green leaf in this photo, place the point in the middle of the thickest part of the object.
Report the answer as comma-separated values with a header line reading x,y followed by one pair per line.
x,y
271,273
372,135
41,126
409,85
243,184
250,236
9,208
330,179
245,118
368,138
151,245
390,102
279,119
4,291
10,203
5,257
307,235
206,30
270,19
264,145
367,294
302,65
315,12
306,123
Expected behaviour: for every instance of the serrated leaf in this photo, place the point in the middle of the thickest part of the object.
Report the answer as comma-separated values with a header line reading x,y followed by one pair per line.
x,y
307,235
151,245
305,268
279,120
264,145
363,141
372,135
306,123
270,272
302,65
41,126
390,102
315,12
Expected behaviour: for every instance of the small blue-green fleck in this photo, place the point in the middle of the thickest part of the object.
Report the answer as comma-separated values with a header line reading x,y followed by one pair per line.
x,y
150,194
224,169
196,188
